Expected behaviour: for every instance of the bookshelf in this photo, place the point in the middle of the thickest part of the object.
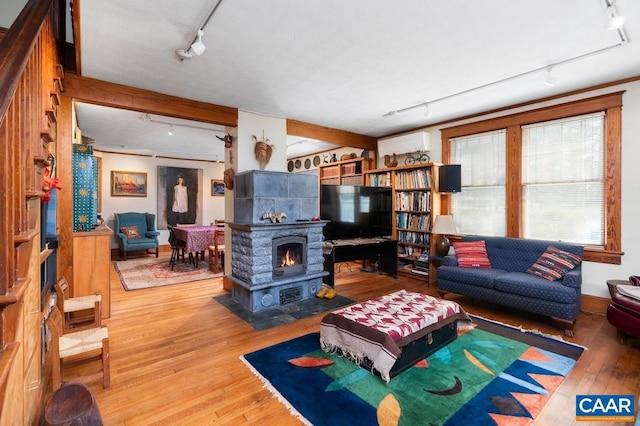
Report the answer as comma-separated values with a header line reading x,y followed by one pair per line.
x,y
345,172
416,201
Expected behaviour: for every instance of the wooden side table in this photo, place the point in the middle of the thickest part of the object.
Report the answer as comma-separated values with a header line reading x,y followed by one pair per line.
x,y
612,284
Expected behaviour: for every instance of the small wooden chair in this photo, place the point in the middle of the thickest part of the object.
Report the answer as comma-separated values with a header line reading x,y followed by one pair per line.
x,y
81,345
80,313
216,251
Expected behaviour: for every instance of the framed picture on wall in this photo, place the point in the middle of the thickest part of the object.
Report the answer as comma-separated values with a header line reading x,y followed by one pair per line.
x,y
128,184
217,187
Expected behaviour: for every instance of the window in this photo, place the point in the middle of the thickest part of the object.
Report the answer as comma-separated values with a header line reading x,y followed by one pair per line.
x,y
480,207
563,179
550,173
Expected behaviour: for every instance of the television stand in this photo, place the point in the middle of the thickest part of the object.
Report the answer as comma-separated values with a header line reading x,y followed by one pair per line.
x,y
384,250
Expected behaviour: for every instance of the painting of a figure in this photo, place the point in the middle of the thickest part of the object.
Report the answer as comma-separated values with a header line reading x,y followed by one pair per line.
x,y
179,196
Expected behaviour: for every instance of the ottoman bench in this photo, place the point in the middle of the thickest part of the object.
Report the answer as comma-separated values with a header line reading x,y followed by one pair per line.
x,y
391,333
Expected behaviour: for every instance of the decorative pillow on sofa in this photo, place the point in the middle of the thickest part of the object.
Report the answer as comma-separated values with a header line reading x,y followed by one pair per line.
x,y
131,232
472,254
554,263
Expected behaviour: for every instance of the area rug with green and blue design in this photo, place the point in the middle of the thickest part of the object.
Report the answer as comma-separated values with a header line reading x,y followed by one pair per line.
x,y
491,374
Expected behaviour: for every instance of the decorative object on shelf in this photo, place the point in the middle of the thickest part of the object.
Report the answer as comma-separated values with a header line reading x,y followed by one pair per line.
x,y
346,157
274,217
263,151
49,183
228,178
307,163
391,160
443,226
217,187
228,140
316,160
417,157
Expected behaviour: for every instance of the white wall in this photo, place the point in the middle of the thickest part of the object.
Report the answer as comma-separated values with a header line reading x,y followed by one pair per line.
x,y
213,207
595,275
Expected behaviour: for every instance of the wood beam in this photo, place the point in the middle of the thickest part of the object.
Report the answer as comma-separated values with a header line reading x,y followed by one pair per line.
x,y
327,134
125,97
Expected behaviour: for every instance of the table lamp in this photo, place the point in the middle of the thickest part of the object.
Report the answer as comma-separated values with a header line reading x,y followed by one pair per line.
x,y
443,226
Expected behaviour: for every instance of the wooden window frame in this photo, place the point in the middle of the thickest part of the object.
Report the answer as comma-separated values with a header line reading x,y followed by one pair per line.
x,y
611,105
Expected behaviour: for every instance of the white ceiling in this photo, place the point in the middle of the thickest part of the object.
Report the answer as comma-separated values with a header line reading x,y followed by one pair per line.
x,y
345,64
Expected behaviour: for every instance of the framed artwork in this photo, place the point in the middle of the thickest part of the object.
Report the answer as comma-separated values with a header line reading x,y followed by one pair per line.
x,y
180,196
217,187
128,184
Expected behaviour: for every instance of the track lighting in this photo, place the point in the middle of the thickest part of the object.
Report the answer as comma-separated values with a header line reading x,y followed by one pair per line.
x,y
550,80
428,111
614,21
170,132
198,46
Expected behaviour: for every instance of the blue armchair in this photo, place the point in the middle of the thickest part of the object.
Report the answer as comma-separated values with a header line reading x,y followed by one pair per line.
x,y
135,232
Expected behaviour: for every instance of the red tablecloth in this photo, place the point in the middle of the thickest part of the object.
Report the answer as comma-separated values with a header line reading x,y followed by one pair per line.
x,y
196,238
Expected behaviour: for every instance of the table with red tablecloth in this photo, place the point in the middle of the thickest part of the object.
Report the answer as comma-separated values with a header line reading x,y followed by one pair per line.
x,y
196,238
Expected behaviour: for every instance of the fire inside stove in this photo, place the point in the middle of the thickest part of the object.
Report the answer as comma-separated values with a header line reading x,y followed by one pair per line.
x,y
289,257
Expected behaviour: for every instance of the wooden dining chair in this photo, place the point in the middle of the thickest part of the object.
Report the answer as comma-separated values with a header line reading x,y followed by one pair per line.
x,y
80,313
216,251
81,346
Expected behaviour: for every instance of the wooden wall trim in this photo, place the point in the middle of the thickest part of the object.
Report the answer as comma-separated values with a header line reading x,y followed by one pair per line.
x,y
553,112
126,97
327,134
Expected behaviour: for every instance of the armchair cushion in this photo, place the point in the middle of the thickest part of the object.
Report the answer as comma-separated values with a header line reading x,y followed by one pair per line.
x,y
130,231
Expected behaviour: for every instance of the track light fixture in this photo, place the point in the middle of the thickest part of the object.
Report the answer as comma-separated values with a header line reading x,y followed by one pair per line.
x,y
198,46
614,21
550,80
170,132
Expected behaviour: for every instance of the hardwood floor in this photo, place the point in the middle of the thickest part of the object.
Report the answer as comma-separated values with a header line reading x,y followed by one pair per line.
x,y
175,355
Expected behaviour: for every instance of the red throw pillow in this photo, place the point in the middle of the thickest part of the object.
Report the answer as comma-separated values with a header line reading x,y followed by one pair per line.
x,y
472,254
130,232
554,263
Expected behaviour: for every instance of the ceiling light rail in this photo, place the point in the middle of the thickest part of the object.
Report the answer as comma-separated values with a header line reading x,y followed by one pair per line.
x,y
546,68
614,22
148,119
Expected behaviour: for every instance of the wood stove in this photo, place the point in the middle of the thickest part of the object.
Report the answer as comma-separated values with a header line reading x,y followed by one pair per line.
x,y
275,264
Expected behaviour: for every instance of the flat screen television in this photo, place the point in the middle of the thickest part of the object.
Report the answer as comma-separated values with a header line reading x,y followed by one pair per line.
x,y
355,211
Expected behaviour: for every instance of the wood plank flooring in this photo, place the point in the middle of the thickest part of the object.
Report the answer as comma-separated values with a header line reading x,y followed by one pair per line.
x,y
175,355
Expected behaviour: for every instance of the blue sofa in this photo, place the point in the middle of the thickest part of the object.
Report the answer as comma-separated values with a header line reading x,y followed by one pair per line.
x,y
507,282
147,238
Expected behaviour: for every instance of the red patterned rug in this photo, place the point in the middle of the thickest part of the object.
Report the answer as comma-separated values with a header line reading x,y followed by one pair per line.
x,y
136,274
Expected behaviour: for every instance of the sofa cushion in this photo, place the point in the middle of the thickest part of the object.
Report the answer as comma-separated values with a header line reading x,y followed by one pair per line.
x,y
131,232
472,254
554,263
480,277
524,284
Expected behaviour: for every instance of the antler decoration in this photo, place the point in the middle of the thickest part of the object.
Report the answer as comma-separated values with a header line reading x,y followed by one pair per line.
x,y
262,151
228,140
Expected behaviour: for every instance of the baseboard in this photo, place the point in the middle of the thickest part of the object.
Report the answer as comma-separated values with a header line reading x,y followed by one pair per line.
x,y
595,304
227,284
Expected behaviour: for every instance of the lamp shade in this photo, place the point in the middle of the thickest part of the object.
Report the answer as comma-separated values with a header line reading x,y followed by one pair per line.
x,y
444,225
